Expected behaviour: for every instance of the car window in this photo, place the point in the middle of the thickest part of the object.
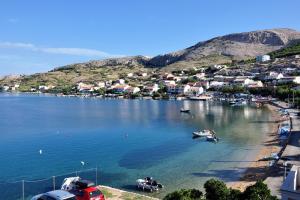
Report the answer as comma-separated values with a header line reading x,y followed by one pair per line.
x,y
95,193
71,198
50,198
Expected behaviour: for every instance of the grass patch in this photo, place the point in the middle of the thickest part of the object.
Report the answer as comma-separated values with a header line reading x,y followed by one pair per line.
x,y
107,193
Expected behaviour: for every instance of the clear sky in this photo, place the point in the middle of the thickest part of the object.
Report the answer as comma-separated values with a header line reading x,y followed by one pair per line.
x,y
36,35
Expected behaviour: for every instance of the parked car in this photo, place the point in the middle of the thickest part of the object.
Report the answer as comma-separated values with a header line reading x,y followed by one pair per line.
x,y
82,189
55,195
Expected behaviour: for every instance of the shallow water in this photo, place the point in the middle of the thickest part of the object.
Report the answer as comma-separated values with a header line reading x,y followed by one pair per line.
x,y
125,139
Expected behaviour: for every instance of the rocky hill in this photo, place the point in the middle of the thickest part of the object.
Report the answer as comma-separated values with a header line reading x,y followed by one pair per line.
x,y
237,46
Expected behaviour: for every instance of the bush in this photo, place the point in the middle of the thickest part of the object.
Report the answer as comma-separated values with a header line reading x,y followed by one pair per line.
x,y
216,190
258,191
185,194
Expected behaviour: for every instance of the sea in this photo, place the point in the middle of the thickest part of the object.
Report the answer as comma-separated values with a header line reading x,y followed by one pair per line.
x,y
44,139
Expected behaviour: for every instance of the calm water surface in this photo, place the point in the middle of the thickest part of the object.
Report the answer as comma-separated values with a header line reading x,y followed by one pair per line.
x,y
125,139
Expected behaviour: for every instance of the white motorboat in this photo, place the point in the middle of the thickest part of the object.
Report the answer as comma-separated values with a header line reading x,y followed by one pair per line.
x,y
202,133
148,184
184,110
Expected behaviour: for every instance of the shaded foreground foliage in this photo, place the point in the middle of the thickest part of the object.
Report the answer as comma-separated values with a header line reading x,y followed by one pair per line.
x,y
217,190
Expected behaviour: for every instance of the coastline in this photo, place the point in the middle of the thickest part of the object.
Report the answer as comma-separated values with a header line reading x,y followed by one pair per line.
x,y
259,170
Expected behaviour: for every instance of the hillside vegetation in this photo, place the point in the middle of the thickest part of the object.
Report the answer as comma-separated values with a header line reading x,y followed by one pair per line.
x,y
290,50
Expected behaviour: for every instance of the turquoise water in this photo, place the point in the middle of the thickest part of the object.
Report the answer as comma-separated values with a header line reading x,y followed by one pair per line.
x,y
125,139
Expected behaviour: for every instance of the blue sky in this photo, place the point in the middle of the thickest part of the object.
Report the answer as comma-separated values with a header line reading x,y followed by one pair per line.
x,y
36,36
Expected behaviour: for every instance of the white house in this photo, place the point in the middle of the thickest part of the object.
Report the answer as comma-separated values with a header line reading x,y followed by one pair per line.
x,y
296,79
273,76
82,87
151,89
43,88
263,58
5,88
101,84
196,90
217,84
290,187
133,90
121,81
200,75
130,75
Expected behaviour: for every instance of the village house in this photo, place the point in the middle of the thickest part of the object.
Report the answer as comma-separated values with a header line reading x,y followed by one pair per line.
x,y
5,88
203,84
120,81
101,84
130,75
288,79
133,90
83,88
263,58
120,88
15,87
195,91
151,89
218,84
274,76
200,75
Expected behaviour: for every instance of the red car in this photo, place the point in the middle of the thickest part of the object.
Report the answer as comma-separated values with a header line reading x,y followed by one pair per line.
x,y
90,193
82,189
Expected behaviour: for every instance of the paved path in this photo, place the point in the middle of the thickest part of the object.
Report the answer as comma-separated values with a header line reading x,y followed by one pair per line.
x,y
290,153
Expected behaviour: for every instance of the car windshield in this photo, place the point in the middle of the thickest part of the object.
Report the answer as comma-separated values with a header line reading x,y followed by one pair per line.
x,y
95,193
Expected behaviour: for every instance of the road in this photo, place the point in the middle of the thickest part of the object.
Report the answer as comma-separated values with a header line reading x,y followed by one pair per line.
x,y
291,153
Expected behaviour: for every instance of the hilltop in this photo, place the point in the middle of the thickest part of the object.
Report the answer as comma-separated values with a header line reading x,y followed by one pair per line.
x,y
222,49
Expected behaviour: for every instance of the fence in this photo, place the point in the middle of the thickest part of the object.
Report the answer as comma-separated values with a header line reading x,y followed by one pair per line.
x,y
26,189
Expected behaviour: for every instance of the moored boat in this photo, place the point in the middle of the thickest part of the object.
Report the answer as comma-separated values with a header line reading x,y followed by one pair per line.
x,y
184,110
200,98
202,133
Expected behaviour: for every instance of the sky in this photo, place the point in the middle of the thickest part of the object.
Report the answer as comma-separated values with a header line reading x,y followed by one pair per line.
x,y
37,36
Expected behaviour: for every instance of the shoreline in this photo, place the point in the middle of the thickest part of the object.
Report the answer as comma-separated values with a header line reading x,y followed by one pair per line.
x,y
259,170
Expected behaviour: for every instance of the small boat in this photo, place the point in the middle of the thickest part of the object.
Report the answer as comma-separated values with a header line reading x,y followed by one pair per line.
x,y
211,138
184,110
148,184
202,133
240,102
200,98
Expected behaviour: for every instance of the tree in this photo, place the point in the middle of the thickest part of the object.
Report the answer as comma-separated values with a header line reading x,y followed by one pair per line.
x,y
185,194
216,190
258,191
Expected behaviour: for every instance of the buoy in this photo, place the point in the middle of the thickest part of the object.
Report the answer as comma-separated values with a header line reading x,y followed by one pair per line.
x,y
40,151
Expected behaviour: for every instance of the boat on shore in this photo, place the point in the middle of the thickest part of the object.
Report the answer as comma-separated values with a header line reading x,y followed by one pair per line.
x,y
148,184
